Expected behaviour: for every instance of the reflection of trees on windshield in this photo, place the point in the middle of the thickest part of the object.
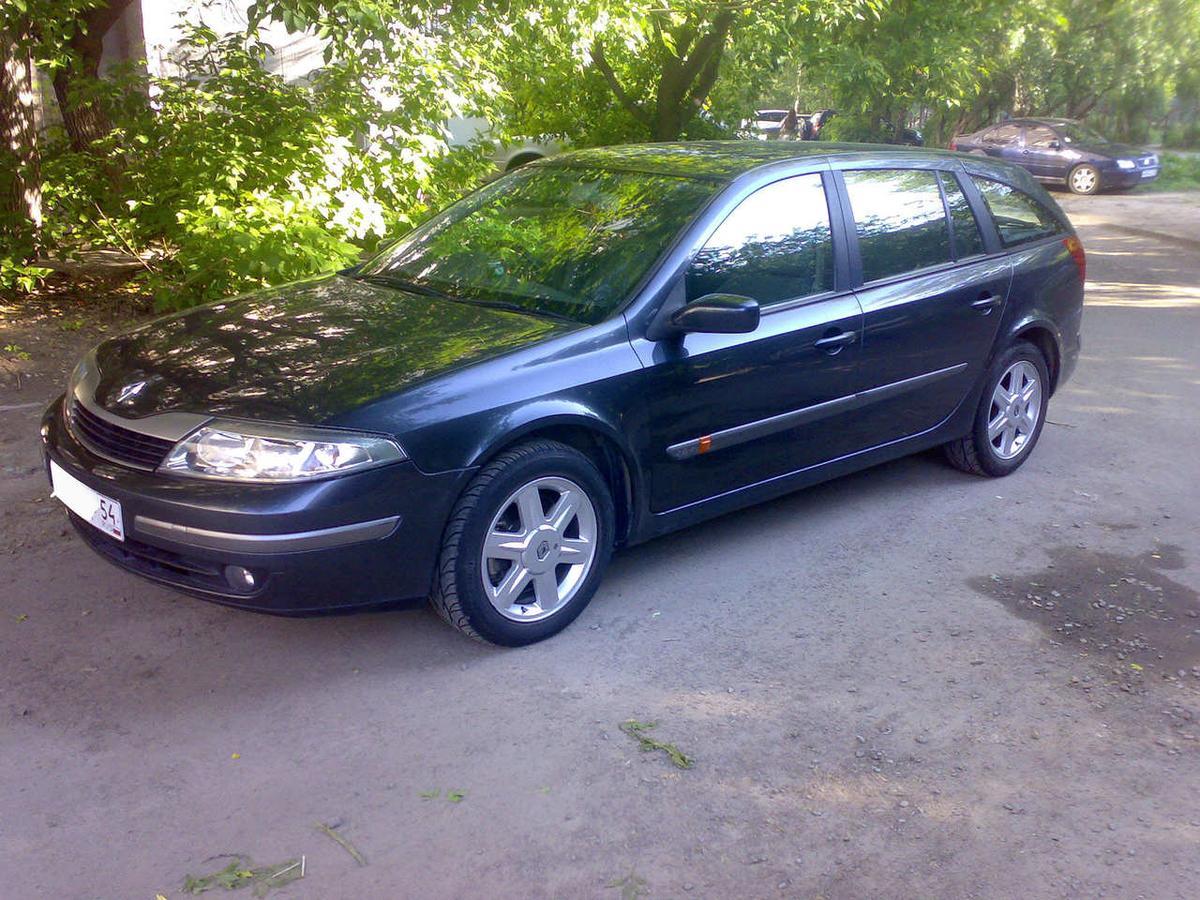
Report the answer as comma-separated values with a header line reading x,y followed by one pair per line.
x,y
900,220
566,240
775,246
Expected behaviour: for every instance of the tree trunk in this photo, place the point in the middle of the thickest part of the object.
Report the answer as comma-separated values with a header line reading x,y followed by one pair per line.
x,y
21,191
83,118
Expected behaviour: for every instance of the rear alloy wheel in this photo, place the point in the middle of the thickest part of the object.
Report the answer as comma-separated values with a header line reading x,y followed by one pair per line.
x,y
526,545
1084,179
1010,416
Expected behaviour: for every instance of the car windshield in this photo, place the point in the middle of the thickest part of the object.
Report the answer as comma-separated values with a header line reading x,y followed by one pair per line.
x,y
549,240
1074,133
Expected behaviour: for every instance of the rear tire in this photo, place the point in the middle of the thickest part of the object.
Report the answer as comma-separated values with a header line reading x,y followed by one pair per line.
x,y
1007,425
526,545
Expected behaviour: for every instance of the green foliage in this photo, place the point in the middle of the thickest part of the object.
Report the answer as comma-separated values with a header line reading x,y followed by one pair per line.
x,y
1179,173
233,179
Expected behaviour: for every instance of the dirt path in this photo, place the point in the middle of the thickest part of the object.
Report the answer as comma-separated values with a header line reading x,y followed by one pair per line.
x,y
903,683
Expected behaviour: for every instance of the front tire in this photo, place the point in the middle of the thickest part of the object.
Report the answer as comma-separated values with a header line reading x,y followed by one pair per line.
x,y
1084,179
1010,416
526,545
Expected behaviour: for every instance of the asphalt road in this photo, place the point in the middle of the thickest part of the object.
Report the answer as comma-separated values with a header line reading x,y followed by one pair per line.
x,y
908,682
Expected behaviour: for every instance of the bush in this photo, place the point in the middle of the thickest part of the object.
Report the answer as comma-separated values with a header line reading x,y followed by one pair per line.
x,y
230,179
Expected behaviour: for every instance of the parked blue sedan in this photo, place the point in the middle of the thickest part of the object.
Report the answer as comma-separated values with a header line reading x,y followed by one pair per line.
x,y
1063,151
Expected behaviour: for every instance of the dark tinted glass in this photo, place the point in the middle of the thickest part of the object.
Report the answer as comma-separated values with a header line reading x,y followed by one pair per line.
x,y
1003,134
900,220
572,242
967,239
775,246
1040,137
1018,216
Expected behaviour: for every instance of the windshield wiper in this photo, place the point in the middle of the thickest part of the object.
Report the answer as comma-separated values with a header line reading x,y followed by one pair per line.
x,y
515,307
403,284
416,287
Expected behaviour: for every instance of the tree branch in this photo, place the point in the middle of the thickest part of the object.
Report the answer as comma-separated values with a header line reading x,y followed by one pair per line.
x,y
601,62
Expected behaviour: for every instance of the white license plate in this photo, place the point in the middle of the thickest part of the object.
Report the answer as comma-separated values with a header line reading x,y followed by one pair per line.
x,y
1149,173
91,506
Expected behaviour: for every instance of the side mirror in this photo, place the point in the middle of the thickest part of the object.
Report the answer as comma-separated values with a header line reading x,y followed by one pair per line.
x,y
1055,145
717,314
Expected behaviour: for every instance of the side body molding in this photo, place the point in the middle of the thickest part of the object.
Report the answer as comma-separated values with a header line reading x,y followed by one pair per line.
x,y
762,427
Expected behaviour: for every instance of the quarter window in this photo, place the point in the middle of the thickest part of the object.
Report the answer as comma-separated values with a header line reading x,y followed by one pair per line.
x,y
900,220
967,239
1019,218
774,246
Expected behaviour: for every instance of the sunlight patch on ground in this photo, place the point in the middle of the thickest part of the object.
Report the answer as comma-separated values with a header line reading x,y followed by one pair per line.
x,y
1151,296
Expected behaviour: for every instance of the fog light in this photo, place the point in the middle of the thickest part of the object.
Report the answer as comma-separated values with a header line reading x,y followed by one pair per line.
x,y
240,578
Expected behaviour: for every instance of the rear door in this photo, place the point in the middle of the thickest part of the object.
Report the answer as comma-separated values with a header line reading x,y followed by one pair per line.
x,y
932,296
724,411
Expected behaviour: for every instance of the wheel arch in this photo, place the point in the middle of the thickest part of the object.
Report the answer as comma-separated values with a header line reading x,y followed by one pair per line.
x,y
523,158
1043,335
596,440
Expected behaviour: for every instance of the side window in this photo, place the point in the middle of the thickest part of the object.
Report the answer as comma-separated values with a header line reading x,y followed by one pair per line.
x,y
1041,138
900,220
775,246
1003,134
967,239
1019,218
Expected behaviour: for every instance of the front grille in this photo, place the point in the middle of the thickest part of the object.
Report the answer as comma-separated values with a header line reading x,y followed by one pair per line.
x,y
123,445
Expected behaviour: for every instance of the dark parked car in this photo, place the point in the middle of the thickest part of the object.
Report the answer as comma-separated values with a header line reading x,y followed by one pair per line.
x,y
1063,151
587,353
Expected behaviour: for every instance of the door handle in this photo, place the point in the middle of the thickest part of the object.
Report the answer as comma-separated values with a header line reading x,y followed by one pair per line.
x,y
987,303
836,342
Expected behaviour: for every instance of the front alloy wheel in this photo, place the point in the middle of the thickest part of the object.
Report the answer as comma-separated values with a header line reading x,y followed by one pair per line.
x,y
539,549
1084,179
526,545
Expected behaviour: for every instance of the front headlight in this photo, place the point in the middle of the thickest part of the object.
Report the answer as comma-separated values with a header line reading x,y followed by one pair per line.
x,y
246,451
1126,164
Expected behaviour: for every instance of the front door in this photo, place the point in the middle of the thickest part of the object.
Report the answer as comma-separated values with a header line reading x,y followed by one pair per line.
x,y
720,411
932,299
1042,154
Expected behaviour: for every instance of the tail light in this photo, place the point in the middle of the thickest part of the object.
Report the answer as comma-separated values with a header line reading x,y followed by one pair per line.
x,y
1075,248
954,143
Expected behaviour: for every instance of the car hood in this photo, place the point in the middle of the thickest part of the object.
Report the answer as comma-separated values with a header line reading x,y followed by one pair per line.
x,y
304,352
1113,151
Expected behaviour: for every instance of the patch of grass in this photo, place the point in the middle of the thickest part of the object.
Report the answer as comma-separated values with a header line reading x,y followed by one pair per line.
x,y
631,886
241,873
15,351
637,730
1179,173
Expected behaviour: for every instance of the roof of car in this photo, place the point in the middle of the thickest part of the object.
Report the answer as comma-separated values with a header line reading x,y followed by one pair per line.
x,y
721,159
1039,120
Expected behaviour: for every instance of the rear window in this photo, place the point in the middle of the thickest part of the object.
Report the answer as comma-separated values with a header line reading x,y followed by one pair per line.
x,y
900,220
1019,218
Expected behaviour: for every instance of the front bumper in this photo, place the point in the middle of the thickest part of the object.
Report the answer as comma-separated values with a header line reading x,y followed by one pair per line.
x,y
1128,178
362,539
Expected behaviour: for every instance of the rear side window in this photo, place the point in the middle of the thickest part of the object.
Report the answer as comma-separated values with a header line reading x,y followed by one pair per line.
x,y
1019,218
900,220
776,245
1003,134
967,239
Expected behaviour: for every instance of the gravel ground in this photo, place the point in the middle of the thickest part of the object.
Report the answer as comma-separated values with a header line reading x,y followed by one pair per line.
x,y
907,682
